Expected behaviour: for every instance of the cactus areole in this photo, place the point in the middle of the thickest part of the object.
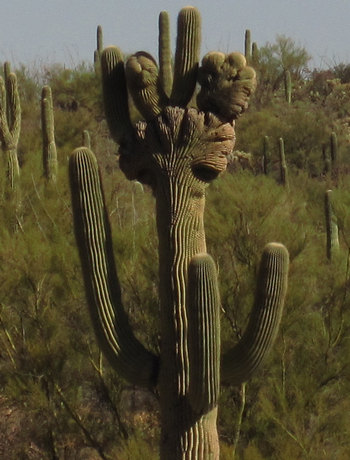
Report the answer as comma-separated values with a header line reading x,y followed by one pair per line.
x,y
178,151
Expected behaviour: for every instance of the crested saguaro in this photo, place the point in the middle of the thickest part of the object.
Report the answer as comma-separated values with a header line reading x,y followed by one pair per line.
x,y
177,150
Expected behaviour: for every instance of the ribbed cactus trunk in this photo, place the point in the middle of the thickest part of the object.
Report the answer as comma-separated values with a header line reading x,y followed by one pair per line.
x,y
185,434
183,431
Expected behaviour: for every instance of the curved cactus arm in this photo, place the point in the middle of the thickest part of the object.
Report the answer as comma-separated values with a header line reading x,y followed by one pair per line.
x,y
203,334
115,94
126,354
186,56
164,53
239,363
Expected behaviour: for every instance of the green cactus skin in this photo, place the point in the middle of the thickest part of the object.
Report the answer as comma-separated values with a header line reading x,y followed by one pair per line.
x,y
10,124
283,164
164,54
331,226
177,152
48,134
287,86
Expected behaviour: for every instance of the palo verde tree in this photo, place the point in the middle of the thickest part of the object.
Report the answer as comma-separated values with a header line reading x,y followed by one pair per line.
x,y
177,150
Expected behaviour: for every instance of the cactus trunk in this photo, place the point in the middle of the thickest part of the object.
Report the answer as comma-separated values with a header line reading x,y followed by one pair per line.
x,y
185,434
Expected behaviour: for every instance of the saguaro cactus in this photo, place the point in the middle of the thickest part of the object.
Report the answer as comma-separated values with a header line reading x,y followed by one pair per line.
x,y
283,164
48,134
99,48
247,45
10,123
287,86
331,226
178,151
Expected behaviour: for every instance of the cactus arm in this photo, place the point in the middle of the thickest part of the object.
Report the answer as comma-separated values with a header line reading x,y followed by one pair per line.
x,y
203,333
240,363
164,53
130,359
186,56
115,94
226,84
144,85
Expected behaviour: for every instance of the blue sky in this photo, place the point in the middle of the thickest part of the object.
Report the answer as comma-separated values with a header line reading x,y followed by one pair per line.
x,y
40,32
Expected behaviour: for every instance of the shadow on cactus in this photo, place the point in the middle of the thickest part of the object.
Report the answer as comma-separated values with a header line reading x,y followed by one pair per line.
x,y
178,151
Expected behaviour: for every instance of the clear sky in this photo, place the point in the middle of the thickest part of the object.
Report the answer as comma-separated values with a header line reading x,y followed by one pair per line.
x,y
36,32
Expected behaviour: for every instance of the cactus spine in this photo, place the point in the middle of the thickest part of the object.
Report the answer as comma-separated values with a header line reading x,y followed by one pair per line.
x,y
48,133
178,151
10,123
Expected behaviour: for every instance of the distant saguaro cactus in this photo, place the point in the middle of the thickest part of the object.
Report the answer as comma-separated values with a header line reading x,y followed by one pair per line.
x,y
283,164
178,151
99,48
248,46
48,135
331,226
10,123
287,86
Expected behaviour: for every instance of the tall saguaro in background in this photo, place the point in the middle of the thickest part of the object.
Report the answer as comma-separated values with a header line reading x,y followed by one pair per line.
x,y
10,123
48,134
177,151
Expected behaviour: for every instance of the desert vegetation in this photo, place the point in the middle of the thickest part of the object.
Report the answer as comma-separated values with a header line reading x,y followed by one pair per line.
x,y
59,397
